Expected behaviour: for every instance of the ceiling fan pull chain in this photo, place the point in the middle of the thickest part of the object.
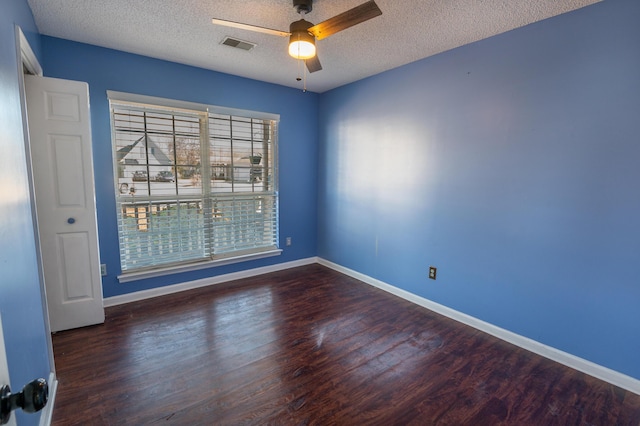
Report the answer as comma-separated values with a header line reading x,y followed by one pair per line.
x,y
299,66
304,79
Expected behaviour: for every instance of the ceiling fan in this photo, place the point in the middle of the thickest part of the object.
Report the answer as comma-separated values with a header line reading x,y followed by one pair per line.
x,y
303,34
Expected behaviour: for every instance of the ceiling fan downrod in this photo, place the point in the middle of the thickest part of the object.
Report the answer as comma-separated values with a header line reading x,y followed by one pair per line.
x,y
303,6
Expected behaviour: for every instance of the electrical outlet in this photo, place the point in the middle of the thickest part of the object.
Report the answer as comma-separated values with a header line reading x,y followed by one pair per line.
x,y
287,241
432,272
103,269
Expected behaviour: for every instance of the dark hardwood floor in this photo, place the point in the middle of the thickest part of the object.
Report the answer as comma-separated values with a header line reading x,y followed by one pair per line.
x,y
309,346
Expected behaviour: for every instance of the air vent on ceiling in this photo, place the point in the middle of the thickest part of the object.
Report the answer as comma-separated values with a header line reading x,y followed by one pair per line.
x,y
239,44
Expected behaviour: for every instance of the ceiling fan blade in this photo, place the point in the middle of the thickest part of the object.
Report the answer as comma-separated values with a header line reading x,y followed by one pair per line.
x,y
249,27
313,64
347,19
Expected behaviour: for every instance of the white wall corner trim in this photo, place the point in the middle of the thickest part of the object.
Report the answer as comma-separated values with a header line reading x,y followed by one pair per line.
x,y
46,415
603,373
175,288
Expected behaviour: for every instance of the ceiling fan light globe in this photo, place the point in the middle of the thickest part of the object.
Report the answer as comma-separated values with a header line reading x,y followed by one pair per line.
x,y
301,49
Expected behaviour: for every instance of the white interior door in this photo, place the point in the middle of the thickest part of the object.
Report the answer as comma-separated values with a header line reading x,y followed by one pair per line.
x,y
60,135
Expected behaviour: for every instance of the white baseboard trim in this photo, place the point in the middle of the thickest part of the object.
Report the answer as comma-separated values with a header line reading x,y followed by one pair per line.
x,y
603,373
175,288
46,415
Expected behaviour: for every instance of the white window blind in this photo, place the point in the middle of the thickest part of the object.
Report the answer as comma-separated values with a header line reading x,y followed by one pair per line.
x,y
192,185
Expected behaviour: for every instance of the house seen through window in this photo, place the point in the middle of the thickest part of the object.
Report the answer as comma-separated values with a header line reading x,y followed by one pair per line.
x,y
192,185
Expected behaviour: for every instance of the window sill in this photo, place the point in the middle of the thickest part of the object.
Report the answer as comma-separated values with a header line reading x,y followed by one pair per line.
x,y
159,272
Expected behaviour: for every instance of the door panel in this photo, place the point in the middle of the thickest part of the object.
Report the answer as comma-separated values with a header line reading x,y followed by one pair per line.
x,y
62,106
67,156
78,278
61,152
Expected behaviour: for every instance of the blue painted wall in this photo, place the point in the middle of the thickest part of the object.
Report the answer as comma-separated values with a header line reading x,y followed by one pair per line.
x,y
106,69
20,297
513,165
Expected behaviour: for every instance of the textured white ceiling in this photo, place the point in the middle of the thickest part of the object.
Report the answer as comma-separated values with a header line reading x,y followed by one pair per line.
x,y
181,31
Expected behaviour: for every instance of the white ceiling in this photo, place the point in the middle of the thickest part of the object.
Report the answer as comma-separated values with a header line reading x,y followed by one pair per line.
x,y
181,31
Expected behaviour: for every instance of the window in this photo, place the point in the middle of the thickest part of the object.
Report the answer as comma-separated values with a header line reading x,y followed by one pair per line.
x,y
193,185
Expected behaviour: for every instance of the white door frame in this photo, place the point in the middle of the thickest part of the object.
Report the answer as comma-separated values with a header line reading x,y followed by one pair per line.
x,y
28,63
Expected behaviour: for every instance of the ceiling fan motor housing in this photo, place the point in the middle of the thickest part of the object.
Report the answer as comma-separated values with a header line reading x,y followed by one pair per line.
x,y
301,42
303,6
300,26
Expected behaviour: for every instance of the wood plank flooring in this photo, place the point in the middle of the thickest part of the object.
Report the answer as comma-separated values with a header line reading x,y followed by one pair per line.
x,y
309,346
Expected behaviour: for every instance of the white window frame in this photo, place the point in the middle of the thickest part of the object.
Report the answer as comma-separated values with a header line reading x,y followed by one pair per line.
x,y
134,100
